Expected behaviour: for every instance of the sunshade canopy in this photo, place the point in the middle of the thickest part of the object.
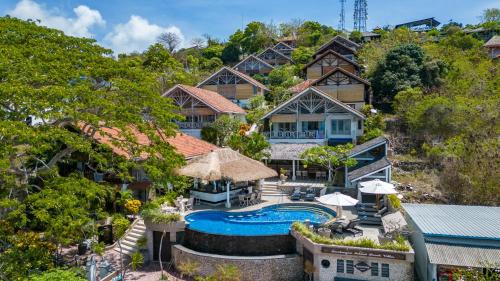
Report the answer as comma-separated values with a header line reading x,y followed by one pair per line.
x,y
337,199
377,187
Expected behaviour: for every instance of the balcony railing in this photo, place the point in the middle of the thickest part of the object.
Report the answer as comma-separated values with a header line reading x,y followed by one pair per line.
x,y
192,125
295,135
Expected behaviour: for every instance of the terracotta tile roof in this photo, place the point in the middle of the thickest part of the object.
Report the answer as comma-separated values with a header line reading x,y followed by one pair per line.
x,y
185,145
237,73
302,86
210,98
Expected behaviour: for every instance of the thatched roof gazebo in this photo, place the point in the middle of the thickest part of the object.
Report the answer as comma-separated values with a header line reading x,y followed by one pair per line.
x,y
226,164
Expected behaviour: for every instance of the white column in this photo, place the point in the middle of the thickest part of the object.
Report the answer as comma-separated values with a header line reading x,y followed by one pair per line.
x,y
293,170
228,195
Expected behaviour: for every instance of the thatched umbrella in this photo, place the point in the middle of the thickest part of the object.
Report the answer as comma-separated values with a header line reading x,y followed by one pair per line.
x,y
226,164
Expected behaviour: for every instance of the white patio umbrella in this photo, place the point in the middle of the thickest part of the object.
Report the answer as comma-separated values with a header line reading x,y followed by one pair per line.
x,y
338,199
377,187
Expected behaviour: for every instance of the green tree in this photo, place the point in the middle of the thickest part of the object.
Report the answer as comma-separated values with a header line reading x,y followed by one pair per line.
x,y
491,15
374,124
356,36
257,108
231,53
302,55
254,145
222,129
329,157
256,37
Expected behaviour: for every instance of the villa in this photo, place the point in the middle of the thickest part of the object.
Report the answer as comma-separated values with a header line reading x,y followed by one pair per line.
x,y
341,45
201,107
284,48
253,65
328,61
274,57
236,86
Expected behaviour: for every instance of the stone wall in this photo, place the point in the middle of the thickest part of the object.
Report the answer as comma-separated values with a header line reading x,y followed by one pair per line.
x,y
264,268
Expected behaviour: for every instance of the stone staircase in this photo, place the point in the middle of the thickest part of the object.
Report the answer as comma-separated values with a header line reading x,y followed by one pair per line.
x,y
129,240
271,190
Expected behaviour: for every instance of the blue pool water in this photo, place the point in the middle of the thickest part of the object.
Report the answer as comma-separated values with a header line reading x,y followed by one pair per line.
x,y
272,220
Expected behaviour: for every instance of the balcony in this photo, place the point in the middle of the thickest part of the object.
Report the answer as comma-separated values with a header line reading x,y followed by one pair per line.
x,y
295,135
192,125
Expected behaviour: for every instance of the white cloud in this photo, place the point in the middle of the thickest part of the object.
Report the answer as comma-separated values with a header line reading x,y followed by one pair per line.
x,y
80,25
136,35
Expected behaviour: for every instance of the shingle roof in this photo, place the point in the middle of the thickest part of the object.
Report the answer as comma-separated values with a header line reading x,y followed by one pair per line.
x,y
466,256
274,51
289,151
455,221
210,98
255,58
338,41
368,145
329,73
493,42
368,169
237,73
333,53
186,145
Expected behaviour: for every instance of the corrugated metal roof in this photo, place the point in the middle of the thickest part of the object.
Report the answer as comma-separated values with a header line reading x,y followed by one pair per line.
x,y
462,255
368,169
480,222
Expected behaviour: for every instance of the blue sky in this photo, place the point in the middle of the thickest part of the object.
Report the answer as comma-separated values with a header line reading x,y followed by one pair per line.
x,y
126,25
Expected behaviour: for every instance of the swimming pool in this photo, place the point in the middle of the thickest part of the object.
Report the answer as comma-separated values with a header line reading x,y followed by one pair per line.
x,y
272,220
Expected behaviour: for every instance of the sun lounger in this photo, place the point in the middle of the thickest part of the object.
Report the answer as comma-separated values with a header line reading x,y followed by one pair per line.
x,y
310,194
296,194
353,229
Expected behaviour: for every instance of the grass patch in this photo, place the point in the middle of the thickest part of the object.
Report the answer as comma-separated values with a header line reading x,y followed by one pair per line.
x,y
152,211
398,245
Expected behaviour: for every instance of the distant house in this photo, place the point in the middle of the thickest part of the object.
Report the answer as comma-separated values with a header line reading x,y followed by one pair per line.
x,y
449,238
328,61
370,36
313,116
201,107
290,41
284,49
253,65
341,45
493,47
233,85
341,85
420,25
274,57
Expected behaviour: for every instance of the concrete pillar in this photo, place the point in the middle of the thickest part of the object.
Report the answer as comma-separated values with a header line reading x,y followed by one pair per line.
x,y
149,235
228,195
293,170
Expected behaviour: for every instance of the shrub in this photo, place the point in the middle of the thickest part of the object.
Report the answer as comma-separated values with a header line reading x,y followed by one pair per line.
x,y
133,206
394,200
227,272
398,245
120,225
188,268
137,259
58,275
98,248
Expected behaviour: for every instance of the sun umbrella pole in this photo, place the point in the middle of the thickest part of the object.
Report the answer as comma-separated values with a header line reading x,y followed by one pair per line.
x,y
228,199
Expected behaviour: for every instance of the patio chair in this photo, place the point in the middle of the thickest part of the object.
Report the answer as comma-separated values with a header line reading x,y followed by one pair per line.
x,y
296,194
177,205
241,199
310,194
189,204
253,198
323,175
259,197
322,192
318,175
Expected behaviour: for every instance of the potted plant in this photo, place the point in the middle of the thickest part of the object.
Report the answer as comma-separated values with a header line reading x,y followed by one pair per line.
x,y
283,176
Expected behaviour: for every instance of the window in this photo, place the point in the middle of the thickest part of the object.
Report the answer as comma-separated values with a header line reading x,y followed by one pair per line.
x,y
340,266
349,267
286,126
360,125
341,127
325,263
385,270
312,126
374,269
